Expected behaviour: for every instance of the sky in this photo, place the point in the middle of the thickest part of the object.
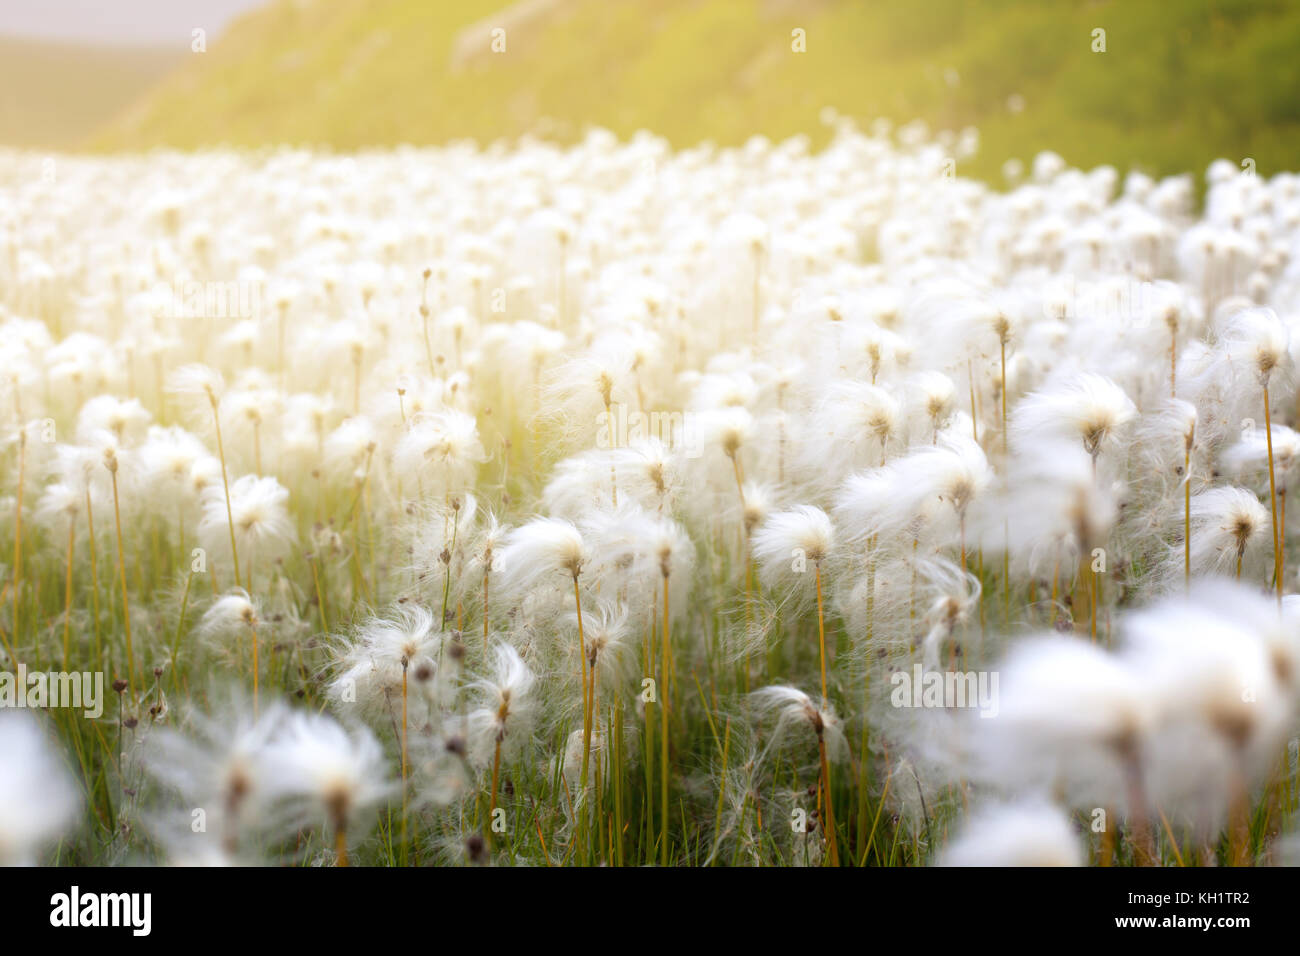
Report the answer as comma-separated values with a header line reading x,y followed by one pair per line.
x,y
119,22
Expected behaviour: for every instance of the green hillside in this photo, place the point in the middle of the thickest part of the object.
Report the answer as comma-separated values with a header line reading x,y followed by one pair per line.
x,y
1178,84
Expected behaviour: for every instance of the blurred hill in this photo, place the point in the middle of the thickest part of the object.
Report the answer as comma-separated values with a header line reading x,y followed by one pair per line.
x,y
1179,83
53,95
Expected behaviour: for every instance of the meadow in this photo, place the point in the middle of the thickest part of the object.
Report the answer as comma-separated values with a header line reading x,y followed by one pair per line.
x,y
620,504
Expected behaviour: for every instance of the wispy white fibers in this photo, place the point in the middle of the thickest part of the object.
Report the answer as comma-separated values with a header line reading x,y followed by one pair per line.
x,y
856,425
228,615
545,552
1256,341
259,510
1248,458
1071,718
791,543
1051,510
1088,408
1227,524
508,708
439,452
326,774
541,482
38,797
938,484
170,457
934,398
369,665
200,388
1218,665
126,419
796,717
1023,834
219,763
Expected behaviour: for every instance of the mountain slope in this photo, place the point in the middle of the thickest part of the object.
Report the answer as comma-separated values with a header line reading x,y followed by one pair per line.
x,y
1177,85
54,95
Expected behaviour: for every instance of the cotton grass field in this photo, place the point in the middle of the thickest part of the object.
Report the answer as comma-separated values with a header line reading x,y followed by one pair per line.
x,y
619,505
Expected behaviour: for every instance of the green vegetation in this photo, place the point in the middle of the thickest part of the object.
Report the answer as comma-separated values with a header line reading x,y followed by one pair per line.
x,y
1178,84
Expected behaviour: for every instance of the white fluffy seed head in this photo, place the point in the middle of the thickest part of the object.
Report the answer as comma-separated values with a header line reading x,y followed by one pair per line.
x,y
1086,407
1257,339
789,541
1029,833
1226,522
259,511
538,553
199,385
38,800
228,615
797,716
508,706
328,773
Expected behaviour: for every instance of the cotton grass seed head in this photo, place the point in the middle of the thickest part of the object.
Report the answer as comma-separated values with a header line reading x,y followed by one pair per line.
x,y
788,542
38,800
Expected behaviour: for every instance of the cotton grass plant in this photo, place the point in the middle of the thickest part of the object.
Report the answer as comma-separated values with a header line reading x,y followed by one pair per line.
x,y
575,523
